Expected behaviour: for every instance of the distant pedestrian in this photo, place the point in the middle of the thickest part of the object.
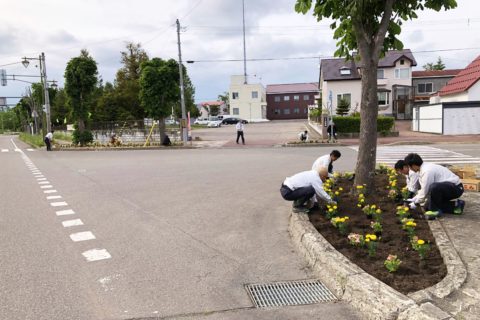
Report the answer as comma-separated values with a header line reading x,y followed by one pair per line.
x,y
48,140
303,136
332,131
327,162
438,187
240,128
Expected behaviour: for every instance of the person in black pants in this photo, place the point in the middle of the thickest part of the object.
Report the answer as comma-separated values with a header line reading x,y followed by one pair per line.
x,y
48,140
240,127
438,187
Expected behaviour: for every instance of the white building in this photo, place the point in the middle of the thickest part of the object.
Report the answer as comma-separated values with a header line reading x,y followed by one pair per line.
x,y
247,100
341,79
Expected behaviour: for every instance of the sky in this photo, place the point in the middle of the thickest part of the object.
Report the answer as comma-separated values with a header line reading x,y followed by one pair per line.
x,y
211,32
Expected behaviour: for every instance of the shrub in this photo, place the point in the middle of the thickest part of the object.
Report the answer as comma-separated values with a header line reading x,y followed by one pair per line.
x,y
351,124
82,138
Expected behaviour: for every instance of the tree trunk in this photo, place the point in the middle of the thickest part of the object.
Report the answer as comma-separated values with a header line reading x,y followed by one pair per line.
x,y
367,151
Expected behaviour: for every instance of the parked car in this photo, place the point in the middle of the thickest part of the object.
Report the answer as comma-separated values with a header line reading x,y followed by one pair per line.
x,y
233,120
171,122
214,123
201,121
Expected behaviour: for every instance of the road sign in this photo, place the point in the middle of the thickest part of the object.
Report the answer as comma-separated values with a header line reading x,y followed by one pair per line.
x,y
3,77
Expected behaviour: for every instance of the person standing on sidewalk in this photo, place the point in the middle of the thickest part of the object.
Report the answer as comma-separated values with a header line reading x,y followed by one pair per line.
x,y
48,140
327,162
303,187
438,185
240,127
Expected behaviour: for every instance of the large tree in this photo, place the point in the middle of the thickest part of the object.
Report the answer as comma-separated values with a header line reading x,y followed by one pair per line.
x,y
159,89
127,83
370,27
80,82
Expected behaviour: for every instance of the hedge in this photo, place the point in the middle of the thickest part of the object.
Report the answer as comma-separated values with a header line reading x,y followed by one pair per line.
x,y
350,124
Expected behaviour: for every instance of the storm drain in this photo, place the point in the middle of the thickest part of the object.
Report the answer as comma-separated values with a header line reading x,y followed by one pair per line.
x,y
289,293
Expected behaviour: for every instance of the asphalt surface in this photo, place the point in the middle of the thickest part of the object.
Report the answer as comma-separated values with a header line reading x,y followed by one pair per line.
x,y
185,229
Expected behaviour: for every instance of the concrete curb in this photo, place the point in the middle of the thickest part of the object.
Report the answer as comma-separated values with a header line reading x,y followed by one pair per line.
x,y
370,296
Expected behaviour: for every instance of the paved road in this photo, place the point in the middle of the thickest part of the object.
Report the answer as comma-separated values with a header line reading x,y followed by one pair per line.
x,y
173,233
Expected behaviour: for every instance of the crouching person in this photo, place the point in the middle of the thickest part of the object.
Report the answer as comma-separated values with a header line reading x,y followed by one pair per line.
x,y
303,187
438,187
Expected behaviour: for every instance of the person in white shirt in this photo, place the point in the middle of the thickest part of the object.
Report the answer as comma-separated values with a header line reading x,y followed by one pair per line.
x,y
326,161
48,140
303,186
438,185
240,127
303,136
412,177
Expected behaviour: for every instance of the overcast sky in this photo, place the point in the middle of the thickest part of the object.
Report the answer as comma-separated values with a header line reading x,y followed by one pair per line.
x,y
213,31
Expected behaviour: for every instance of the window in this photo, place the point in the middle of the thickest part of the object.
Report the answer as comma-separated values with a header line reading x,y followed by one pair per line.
x,y
277,111
425,87
277,98
286,98
296,110
236,111
346,96
306,97
296,98
382,98
234,95
402,62
286,111
345,71
380,74
402,73
254,94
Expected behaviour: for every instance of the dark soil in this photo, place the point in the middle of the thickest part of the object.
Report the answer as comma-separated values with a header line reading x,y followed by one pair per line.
x,y
414,274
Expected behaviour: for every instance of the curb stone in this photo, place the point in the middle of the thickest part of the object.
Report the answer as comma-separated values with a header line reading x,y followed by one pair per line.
x,y
373,298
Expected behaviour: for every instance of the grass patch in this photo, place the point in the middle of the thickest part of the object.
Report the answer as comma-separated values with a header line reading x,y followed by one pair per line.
x,y
62,136
35,140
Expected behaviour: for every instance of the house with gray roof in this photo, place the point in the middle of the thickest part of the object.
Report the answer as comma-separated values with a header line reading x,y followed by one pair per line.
x,y
341,79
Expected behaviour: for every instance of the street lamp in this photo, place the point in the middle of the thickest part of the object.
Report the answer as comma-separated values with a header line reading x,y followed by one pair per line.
x,y
43,76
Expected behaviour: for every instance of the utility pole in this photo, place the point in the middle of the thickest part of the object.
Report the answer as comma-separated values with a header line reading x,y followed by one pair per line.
x,y
244,46
43,72
182,90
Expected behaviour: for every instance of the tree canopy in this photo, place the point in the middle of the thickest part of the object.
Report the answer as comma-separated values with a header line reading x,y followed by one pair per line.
x,y
437,66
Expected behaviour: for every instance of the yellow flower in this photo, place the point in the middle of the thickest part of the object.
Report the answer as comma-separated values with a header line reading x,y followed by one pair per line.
x,y
337,193
371,237
330,210
341,220
406,208
359,187
420,241
346,218
378,211
335,207
359,205
341,189
367,240
373,206
411,224
362,200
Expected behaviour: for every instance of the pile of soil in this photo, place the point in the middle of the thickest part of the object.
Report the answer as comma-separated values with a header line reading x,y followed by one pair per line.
x,y
414,274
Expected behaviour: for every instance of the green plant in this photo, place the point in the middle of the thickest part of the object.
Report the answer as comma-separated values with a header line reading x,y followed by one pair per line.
x,y
331,211
420,246
343,107
392,263
409,226
376,226
340,223
371,242
356,239
402,212
35,140
82,138
62,136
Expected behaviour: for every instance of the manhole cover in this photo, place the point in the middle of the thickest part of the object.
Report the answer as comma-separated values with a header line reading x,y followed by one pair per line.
x,y
288,293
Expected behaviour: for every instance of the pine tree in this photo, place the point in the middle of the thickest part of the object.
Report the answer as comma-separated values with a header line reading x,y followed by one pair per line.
x,y
343,107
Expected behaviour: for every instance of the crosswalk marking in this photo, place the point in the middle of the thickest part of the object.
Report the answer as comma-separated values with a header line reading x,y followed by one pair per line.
x,y
5,150
391,154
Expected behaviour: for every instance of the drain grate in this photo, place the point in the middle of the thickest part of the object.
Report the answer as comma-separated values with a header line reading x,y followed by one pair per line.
x,y
288,293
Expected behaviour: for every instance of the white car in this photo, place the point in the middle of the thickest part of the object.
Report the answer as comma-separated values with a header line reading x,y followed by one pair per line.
x,y
171,122
201,121
214,123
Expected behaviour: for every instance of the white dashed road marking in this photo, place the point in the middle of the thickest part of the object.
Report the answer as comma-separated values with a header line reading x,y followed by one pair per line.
x,y
64,212
90,255
72,223
96,254
5,150
82,236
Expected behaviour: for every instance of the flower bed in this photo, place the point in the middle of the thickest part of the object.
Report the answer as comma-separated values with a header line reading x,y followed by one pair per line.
x,y
389,242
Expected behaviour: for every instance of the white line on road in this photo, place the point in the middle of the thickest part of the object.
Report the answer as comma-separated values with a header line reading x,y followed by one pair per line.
x,y
30,149
5,150
72,223
58,204
43,182
96,254
46,187
82,236
53,197
41,179
50,191
65,212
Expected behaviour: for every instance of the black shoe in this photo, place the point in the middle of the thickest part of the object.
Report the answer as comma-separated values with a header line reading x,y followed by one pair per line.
x,y
300,209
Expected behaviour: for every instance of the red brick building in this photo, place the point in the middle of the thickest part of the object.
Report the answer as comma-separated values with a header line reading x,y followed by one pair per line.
x,y
290,101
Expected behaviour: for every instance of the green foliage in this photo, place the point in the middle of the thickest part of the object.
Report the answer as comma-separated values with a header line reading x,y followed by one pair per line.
x,y
225,97
159,87
35,140
82,138
80,81
351,124
8,121
437,66
60,109
343,107
62,136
